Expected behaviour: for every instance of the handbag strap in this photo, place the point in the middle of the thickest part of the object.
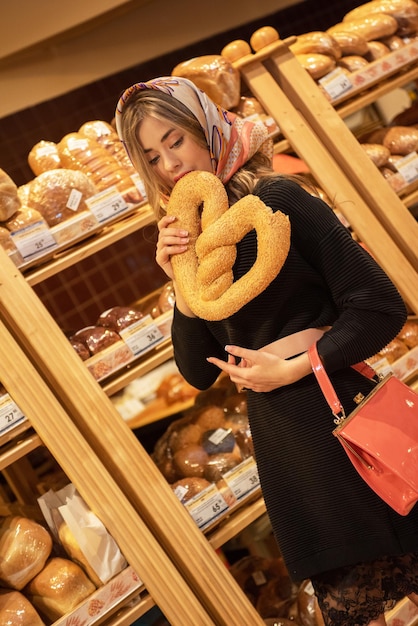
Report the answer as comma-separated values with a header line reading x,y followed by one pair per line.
x,y
326,385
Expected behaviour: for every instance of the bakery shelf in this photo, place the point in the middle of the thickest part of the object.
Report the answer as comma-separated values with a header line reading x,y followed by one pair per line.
x,y
378,78
18,448
128,614
150,361
375,92
236,522
107,236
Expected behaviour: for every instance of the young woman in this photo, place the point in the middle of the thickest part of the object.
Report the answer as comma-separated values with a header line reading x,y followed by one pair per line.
x,y
360,555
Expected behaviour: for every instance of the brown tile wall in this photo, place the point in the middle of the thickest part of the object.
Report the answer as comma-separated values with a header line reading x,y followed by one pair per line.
x,y
126,271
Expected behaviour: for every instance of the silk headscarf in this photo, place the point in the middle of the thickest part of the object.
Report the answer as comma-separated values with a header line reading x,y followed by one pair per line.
x,y
231,140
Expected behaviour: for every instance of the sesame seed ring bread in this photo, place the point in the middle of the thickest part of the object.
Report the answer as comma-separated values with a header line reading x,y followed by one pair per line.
x,y
203,273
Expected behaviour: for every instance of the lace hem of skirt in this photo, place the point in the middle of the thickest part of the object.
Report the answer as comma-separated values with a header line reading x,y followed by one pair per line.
x,y
356,595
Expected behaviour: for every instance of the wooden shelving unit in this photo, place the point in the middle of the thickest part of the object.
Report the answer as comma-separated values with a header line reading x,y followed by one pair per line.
x,y
317,133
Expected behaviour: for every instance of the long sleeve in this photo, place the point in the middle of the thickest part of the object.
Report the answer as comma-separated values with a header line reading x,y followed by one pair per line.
x,y
370,310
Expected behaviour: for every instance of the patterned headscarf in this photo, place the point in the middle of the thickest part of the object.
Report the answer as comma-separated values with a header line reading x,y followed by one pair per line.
x,y
232,140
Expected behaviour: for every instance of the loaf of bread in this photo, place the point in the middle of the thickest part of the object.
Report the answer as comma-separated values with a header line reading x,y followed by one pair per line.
x,y
43,157
59,194
353,62
174,388
9,198
409,334
376,50
105,136
187,488
350,43
204,443
377,153
16,610
401,139
215,75
317,65
316,42
25,546
24,217
95,338
394,350
372,26
59,588
75,553
119,317
6,241
404,11
82,153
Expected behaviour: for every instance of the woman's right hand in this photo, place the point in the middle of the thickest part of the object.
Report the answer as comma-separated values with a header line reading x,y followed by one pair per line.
x,y
171,241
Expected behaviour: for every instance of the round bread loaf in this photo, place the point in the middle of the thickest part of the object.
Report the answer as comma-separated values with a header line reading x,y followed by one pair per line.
x,y
25,546
9,198
215,75
59,588
119,317
190,487
95,338
59,194
16,610
43,157
191,461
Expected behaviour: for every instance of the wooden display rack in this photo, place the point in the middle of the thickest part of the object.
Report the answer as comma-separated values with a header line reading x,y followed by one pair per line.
x,y
319,136
99,453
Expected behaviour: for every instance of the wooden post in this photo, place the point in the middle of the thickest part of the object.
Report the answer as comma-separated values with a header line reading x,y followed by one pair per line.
x,y
98,488
121,454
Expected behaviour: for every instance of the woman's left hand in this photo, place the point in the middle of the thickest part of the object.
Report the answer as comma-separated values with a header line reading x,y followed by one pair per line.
x,y
259,370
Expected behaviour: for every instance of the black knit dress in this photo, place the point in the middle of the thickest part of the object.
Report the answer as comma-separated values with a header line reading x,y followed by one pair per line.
x,y
323,515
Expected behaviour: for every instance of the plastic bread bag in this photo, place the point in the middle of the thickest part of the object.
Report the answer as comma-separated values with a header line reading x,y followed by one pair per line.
x,y
82,535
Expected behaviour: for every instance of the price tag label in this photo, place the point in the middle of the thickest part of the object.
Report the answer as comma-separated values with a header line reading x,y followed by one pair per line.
x,y
141,336
408,167
336,83
207,506
139,185
10,414
107,204
243,479
34,240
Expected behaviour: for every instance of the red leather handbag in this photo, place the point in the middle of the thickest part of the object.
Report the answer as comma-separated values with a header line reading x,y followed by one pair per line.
x,y
380,436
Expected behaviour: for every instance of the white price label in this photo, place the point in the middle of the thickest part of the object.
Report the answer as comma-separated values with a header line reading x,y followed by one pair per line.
x,y
34,240
139,185
107,204
336,83
408,167
141,337
243,478
207,506
10,414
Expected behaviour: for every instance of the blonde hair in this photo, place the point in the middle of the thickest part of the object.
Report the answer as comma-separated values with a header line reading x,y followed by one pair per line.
x,y
150,102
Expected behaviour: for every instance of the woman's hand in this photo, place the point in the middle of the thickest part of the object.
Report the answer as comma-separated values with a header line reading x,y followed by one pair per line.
x,y
261,371
171,241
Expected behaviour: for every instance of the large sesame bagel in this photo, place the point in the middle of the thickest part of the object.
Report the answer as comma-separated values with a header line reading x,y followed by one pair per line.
x,y
203,273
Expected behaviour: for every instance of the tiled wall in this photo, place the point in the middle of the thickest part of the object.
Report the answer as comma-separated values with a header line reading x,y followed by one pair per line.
x,y
127,270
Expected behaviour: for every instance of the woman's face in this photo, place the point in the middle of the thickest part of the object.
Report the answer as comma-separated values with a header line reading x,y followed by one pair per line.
x,y
171,151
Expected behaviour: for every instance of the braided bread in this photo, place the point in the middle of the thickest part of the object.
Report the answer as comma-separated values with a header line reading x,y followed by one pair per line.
x,y
203,273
